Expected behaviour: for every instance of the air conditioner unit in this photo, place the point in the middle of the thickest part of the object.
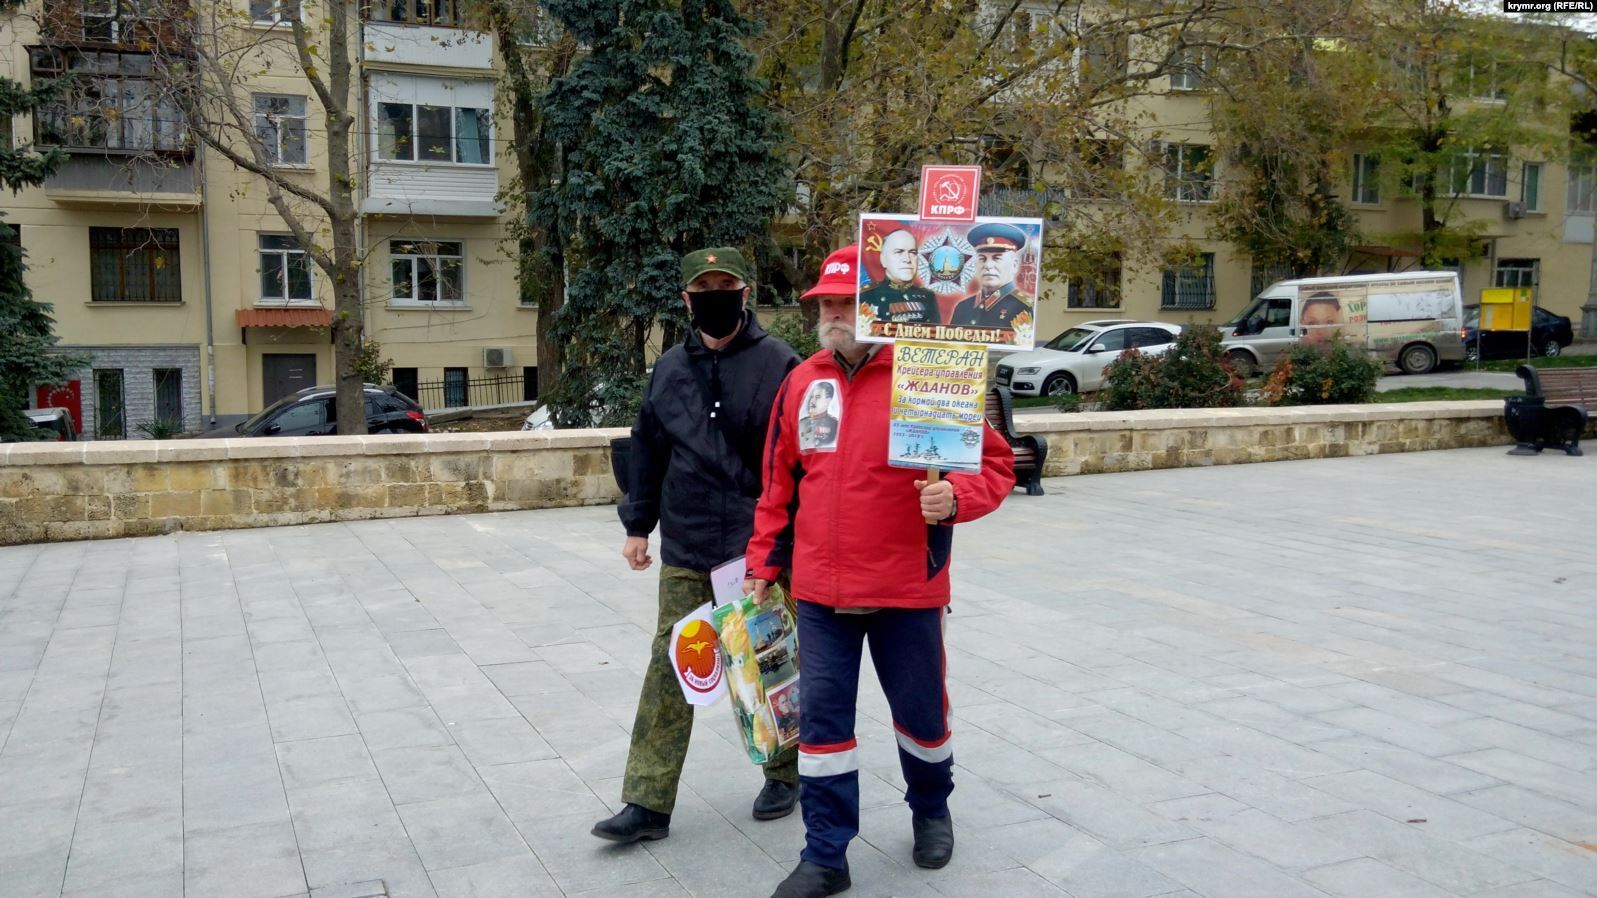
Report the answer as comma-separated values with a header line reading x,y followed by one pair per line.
x,y
496,357
1514,211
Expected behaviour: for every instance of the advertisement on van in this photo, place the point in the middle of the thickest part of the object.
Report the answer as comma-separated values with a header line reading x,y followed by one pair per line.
x,y
1384,314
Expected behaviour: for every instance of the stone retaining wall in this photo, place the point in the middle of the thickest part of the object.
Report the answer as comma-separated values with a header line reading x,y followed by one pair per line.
x,y
59,491
1103,442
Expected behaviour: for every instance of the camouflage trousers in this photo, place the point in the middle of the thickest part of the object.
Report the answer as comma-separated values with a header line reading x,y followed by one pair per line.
x,y
665,719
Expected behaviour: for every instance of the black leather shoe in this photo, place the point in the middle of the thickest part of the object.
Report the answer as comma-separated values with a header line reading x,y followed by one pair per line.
x,y
934,841
634,824
813,881
776,800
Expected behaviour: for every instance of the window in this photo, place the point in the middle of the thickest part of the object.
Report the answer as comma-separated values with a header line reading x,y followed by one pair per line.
x,y
416,12
271,12
1102,163
417,133
1530,186
1516,273
1484,78
168,396
455,387
1003,164
100,21
110,406
285,270
1105,56
280,127
306,415
1189,173
1278,313
1111,341
1262,276
1097,288
111,102
1582,195
426,271
529,383
1366,179
1148,337
1190,68
7,135
134,265
1190,286
1476,172
404,380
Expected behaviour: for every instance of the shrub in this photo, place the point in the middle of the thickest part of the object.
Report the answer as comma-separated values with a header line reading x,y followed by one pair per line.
x,y
1193,373
789,327
160,428
1070,402
1313,375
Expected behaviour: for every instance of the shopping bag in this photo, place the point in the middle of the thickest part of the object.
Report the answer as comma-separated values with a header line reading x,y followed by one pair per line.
x,y
760,652
696,657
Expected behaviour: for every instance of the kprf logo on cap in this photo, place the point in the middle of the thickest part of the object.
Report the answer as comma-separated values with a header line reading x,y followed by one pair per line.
x,y
836,268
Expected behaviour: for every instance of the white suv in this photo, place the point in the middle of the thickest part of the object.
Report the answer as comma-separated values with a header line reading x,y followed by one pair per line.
x,y
1073,362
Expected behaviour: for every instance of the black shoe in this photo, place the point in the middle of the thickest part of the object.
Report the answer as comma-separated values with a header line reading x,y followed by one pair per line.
x,y
776,800
934,841
813,881
634,824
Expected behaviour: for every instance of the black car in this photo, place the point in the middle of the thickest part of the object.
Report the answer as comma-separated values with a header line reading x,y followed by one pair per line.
x,y
313,411
1549,334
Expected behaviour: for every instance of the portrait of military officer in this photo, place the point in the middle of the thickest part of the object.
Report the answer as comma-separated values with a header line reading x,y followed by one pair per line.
x,y
997,301
897,297
818,427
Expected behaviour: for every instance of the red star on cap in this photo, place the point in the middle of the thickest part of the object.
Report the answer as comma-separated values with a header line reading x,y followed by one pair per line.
x,y
710,259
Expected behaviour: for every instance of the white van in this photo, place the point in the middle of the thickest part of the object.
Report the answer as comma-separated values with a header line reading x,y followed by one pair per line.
x,y
1413,320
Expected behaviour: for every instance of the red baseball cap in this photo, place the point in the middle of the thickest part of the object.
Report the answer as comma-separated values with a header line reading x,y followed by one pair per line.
x,y
839,274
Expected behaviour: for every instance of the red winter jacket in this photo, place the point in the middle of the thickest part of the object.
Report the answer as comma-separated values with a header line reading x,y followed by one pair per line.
x,y
853,521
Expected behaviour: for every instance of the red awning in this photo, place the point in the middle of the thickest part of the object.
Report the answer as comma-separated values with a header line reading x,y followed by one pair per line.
x,y
284,318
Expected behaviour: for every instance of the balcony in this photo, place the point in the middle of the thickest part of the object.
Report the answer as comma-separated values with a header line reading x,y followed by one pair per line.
x,y
129,182
403,189
396,43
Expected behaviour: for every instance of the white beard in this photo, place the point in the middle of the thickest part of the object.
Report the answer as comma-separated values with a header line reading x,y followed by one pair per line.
x,y
836,337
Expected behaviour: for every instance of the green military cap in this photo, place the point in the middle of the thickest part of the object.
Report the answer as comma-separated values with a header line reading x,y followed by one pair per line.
x,y
716,258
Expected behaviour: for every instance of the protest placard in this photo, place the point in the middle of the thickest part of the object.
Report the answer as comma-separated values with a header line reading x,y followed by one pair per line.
x,y
949,282
936,415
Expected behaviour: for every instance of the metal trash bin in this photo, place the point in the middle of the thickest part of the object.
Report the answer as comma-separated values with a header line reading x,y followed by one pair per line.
x,y
1525,417
621,462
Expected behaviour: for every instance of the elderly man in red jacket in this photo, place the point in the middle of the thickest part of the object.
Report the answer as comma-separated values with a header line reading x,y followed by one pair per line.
x,y
869,563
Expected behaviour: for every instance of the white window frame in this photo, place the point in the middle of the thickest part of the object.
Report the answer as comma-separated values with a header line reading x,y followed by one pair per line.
x,y
1188,185
1366,179
96,10
284,256
277,14
1190,68
413,300
415,143
276,120
1484,161
1580,197
1533,203
1519,271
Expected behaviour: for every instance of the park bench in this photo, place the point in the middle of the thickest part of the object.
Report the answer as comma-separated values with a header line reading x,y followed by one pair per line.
x,y
1554,410
1030,450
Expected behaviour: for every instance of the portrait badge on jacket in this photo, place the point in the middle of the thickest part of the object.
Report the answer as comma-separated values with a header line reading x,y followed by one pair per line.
x,y
820,416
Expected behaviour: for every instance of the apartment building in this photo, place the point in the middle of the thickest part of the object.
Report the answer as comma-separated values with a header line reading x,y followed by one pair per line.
x,y
178,280
1535,216
175,277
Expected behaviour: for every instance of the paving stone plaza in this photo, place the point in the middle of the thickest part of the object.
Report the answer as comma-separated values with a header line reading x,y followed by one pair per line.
x,y
1369,677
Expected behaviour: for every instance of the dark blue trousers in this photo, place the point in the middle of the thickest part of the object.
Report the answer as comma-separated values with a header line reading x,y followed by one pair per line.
x,y
907,649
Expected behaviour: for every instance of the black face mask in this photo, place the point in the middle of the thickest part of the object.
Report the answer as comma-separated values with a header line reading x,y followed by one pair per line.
x,y
716,312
